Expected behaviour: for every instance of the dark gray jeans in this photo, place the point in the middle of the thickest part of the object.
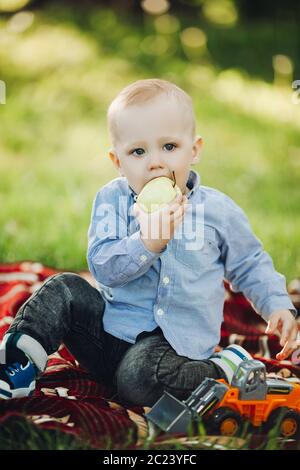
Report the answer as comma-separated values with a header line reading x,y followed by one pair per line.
x,y
66,308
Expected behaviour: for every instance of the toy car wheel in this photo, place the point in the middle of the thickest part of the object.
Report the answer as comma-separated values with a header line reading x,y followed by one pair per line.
x,y
224,422
286,420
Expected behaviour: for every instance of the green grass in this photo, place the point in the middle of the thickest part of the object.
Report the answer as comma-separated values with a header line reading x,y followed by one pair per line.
x,y
18,433
61,75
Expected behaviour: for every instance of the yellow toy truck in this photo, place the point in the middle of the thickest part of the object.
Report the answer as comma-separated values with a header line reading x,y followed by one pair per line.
x,y
223,408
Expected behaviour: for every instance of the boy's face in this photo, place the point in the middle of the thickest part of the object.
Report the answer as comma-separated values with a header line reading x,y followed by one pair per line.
x,y
154,139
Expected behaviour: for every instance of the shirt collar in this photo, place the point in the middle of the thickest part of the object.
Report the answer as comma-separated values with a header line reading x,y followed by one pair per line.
x,y
193,184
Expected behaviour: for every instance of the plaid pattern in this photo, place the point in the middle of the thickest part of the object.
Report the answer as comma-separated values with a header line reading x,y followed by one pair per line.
x,y
66,397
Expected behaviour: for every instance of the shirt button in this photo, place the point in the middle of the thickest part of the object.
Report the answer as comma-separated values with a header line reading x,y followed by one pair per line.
x,y
166,280
143,258
160,311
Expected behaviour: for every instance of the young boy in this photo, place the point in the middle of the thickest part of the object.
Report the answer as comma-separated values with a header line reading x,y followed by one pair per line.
x,y
154,320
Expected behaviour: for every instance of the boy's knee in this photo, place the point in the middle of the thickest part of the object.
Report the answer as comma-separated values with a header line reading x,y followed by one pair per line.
x,y
72,283
151,367
69,279
136,375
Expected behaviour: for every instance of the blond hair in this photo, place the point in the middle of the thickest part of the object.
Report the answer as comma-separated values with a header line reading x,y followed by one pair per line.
x,y
140,92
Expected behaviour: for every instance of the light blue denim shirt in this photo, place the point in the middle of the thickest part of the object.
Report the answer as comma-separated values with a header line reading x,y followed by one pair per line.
x,y
181,289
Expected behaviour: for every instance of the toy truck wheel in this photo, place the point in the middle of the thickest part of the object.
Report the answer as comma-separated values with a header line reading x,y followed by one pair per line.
x,y
225,422
286,420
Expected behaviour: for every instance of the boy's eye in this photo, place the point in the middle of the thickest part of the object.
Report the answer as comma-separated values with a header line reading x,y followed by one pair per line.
x,y
139,151
170,146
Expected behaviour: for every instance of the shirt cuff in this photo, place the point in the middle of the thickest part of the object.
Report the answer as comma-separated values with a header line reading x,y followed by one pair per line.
x,y
139,253
294,312
278,303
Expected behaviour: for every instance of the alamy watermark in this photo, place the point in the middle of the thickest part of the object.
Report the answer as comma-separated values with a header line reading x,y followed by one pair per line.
x,y
296,94
2,92
111,224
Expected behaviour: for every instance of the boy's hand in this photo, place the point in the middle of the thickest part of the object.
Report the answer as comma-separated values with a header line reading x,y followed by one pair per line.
x,y
285,323
157,228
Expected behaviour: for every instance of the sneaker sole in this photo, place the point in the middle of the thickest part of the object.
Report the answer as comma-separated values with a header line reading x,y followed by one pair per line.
x,y
18,393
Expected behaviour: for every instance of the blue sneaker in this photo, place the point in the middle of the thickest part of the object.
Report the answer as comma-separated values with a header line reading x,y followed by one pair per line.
x,y
17,379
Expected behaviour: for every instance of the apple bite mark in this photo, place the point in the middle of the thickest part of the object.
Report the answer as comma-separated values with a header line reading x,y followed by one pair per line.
x,y
174,179
157,193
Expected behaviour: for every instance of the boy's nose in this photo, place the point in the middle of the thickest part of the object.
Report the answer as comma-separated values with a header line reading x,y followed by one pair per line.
x,y
155,162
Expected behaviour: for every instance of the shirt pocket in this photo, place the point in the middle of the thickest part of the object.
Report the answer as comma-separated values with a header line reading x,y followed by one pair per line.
x,y
201,257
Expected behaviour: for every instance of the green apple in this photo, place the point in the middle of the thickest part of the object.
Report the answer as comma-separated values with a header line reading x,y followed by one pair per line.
x,y
157,193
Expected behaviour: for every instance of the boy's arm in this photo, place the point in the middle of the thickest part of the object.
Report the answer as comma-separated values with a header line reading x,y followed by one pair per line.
x,y
250,269
113,257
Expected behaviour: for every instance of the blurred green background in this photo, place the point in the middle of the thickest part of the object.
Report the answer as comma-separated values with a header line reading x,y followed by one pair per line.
x,y
63,62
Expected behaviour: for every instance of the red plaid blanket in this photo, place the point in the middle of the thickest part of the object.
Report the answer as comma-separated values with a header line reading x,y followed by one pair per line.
x,y
68,400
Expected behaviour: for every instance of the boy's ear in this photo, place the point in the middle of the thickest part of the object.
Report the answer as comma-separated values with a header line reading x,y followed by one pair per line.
x,y
116,161
197,148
